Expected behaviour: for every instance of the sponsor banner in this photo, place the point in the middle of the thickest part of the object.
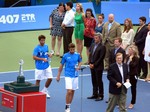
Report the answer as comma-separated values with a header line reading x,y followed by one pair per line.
x,y
123,10
8,101
29,18
25,18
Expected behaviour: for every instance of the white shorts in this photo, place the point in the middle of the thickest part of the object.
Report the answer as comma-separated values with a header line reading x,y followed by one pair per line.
x,y
43,74
71,83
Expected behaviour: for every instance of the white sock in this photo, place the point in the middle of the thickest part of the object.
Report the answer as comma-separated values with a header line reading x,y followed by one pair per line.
x,y
45,89
67,106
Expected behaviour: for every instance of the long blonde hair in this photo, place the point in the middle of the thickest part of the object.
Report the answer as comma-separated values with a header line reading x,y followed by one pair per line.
x,y
135,49
81,7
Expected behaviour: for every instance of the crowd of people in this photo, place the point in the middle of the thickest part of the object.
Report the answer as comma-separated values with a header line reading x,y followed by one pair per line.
x,y
124,54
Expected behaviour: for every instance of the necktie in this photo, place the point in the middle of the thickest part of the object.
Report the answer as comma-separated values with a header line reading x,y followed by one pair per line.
x,y
116,50
121,71
93,52
109,26
94,48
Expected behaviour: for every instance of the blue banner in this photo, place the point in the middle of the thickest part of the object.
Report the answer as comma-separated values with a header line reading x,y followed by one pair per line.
x,y
123,10
29,18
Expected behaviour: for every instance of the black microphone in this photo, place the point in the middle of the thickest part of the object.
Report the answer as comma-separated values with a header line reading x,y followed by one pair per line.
x,y
83,67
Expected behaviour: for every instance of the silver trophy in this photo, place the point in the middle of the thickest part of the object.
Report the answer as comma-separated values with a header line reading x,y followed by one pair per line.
x,y
21,78
21,62
20,86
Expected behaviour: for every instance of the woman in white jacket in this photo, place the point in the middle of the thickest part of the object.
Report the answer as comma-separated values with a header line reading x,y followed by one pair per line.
x,y
147,52
128,34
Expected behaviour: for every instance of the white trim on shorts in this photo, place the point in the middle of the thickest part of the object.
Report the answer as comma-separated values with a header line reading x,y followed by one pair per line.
x,y
71,83
43,74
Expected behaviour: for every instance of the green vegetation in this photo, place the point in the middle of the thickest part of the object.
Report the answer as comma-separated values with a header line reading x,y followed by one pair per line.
x,y
19,45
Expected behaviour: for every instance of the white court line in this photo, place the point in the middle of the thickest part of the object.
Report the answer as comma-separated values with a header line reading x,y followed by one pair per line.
x,y
26,70
23,70
143,80
104,73
53,78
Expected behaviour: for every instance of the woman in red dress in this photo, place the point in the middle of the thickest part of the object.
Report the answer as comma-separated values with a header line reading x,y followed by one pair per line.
x,y
90,24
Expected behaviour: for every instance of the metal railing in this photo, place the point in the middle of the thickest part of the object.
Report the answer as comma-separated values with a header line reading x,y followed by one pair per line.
x,y
17,2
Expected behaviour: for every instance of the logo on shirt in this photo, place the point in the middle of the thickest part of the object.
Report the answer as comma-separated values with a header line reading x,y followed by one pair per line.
x,y
68,57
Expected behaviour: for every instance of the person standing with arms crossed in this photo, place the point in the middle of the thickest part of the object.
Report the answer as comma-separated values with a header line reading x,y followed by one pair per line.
x,y
68,26
72,61
43,68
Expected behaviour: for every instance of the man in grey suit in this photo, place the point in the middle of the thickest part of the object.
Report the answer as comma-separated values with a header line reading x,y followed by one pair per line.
x,y
96,63
111,30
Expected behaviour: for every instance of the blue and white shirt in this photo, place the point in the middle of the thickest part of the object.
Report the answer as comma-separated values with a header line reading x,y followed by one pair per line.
x,y
70,61
41,52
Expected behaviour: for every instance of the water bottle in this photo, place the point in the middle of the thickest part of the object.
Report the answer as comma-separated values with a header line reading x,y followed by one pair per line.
x,y
76,71
43,61
49,59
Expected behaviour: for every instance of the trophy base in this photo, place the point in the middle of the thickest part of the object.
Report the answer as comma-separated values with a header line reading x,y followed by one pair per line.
x,y
21,87
21,84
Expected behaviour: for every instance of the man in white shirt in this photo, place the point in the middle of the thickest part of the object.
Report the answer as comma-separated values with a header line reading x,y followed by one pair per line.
x,y
68,26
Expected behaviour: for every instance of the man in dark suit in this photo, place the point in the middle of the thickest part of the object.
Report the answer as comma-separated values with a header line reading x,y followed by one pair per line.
x,y
111,30
117,75
139,41
114,51
117,49
96,58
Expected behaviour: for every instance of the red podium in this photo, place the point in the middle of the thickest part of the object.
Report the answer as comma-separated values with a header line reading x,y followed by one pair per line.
x,y
24,102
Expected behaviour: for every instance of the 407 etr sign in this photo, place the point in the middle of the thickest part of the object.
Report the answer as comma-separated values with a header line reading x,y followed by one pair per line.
x,y
15,18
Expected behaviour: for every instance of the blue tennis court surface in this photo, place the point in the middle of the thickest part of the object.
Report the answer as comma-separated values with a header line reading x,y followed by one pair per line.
x,y
80,102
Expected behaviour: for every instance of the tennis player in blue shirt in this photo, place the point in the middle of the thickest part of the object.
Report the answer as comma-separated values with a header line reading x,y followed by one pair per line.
x,y
72,61
43,68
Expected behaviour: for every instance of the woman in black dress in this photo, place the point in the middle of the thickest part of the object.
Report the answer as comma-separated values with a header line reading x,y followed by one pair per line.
x,y
132,60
